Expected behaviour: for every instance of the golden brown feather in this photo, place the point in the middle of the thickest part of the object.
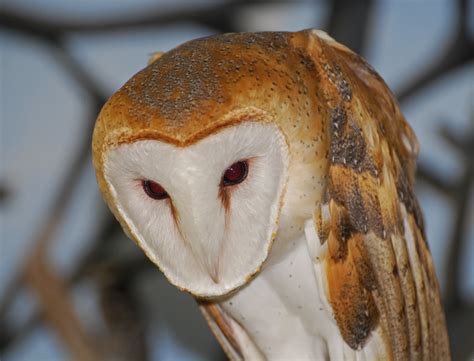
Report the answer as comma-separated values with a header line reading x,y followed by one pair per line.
x,y
372,163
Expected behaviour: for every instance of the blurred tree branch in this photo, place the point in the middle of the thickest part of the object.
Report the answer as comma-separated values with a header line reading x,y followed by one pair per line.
x,y
36,264
460,314
219,16
348,22
460,51
4,193
58,309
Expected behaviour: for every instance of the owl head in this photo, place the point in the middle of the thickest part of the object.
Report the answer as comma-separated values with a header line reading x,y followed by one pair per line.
x,y
214,150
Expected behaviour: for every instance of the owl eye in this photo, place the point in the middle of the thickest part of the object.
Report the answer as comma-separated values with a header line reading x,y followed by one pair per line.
x,y
235,174
154,190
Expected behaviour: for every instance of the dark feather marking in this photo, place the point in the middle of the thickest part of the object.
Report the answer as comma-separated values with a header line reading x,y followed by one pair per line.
x,y
408,198
175,215
337,77
224,196
348,146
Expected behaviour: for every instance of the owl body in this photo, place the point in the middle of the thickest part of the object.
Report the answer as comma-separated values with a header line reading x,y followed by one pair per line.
x,y
270,175
285,314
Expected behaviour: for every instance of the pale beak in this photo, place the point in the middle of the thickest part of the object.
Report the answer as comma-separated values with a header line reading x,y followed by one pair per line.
x,y
201,222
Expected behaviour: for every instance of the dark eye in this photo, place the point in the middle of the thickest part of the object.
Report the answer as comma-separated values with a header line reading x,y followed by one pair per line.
x,y
235,174
154,190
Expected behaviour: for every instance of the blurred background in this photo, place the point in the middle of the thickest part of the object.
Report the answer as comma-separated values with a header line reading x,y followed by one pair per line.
x,y
71,285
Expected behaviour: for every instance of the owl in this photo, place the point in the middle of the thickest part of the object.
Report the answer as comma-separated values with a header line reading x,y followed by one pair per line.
x,y
270,175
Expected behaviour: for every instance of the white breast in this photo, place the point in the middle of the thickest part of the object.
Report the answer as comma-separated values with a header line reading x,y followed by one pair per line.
x,y
286,314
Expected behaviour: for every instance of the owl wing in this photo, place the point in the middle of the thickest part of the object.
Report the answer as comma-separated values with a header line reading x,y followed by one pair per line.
x,y
371,247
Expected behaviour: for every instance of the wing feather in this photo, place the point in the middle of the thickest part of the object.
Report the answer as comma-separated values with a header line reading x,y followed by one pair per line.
x,y
222,330
378,266
232,337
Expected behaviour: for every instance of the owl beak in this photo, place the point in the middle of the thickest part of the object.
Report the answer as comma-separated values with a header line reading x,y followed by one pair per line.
x,y
207,251
202,229
213,273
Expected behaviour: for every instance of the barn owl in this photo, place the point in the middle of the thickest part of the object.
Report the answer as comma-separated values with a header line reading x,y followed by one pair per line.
x,y
270,175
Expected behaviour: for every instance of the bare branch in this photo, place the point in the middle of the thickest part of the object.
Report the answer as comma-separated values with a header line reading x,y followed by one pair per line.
x,y
219,16
58,309
460,51
348,22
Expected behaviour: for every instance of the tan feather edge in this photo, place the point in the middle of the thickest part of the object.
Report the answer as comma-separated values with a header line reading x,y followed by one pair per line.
x,y
154,57
216,319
